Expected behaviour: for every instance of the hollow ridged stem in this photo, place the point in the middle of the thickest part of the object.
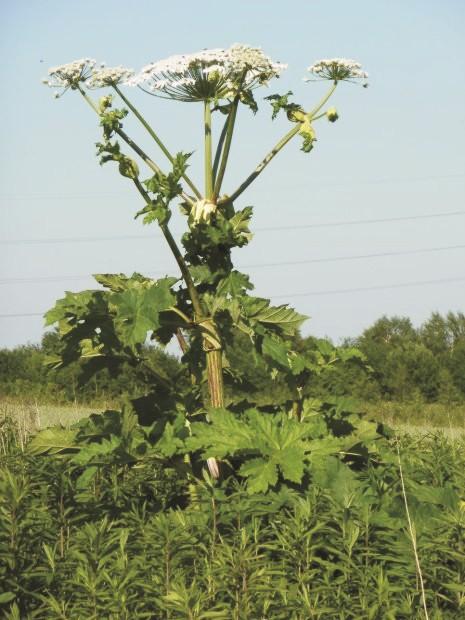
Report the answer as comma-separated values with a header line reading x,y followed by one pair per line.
x,y
208,151
227,146
219,148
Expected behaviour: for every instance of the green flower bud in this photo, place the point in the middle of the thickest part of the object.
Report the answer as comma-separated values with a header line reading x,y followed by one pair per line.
x,y
296,116
332,115
128,168
104,103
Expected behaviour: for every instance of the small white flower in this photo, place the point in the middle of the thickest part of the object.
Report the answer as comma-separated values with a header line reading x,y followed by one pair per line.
x,y
70,75
209,74
337,70
108,76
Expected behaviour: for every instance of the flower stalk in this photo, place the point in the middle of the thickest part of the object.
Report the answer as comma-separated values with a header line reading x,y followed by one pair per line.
x,y
130,142
227,146
152,133
208,151
276,149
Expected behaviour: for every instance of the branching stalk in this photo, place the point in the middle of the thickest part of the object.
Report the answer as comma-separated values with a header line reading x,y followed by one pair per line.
x,y
227,146
208,151
262,165
150,163
152,133
176,253
275,150
219,147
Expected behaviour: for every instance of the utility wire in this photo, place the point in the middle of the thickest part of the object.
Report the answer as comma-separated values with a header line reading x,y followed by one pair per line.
x,y
328,259
311,293
332,183
372,288
263,229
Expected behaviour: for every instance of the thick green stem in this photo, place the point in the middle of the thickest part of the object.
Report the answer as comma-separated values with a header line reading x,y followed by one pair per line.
x,y
275,150
208,151
177,255
215,377
227,146
219,148
165,151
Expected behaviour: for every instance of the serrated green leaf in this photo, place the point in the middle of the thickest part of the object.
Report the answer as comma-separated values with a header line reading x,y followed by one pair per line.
x,y
277,350
138,310
291,462
283,317
89,452
53,441
260,474
234,284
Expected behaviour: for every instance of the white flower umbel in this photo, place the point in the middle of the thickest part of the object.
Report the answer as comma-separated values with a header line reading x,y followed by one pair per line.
x,y
108,76
69,75
337,70
208,75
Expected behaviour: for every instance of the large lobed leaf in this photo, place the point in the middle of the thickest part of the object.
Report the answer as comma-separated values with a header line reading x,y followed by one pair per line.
x,y
277,444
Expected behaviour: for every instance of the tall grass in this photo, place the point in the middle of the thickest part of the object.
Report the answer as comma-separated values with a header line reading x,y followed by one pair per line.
x,y
128,546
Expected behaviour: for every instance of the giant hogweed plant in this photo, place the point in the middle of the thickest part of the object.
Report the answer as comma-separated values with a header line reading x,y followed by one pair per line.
x,y
209,302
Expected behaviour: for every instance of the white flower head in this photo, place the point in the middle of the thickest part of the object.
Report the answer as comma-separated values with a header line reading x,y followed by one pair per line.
x,y
69,75
337,70
108,76
208,75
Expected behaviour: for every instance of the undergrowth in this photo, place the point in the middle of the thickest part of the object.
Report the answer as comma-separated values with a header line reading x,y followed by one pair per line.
x,y
139,542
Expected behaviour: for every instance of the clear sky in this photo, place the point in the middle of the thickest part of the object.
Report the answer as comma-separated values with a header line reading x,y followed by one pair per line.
x,y
396,152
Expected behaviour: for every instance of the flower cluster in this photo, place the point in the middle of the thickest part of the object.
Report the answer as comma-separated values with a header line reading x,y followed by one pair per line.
x,y
337,69
209,74
108,76
69,75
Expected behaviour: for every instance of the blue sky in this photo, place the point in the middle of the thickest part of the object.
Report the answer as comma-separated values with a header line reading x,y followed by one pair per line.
x,y
396,152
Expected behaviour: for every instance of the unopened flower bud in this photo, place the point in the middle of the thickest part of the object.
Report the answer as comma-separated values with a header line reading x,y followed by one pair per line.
x,y
332,115
202,210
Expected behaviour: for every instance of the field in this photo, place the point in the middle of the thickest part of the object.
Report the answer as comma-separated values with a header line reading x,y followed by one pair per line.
x,y
140,542
411,418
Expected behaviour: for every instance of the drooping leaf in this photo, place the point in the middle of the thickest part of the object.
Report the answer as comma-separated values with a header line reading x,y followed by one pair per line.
x,y
53,441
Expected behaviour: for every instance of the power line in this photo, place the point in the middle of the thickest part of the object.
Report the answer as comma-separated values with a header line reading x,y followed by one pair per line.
x,y
332,183
328,259
262,229
372,288
311,293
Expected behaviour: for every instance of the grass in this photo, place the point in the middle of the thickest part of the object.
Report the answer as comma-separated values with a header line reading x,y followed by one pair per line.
x,y
415,418
339,548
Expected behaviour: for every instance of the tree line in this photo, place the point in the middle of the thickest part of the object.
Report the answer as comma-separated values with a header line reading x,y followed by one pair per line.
x,y
402,363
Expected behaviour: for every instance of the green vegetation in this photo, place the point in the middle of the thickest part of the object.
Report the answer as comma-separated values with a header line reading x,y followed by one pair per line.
x,y
407,376
241,481
137,542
